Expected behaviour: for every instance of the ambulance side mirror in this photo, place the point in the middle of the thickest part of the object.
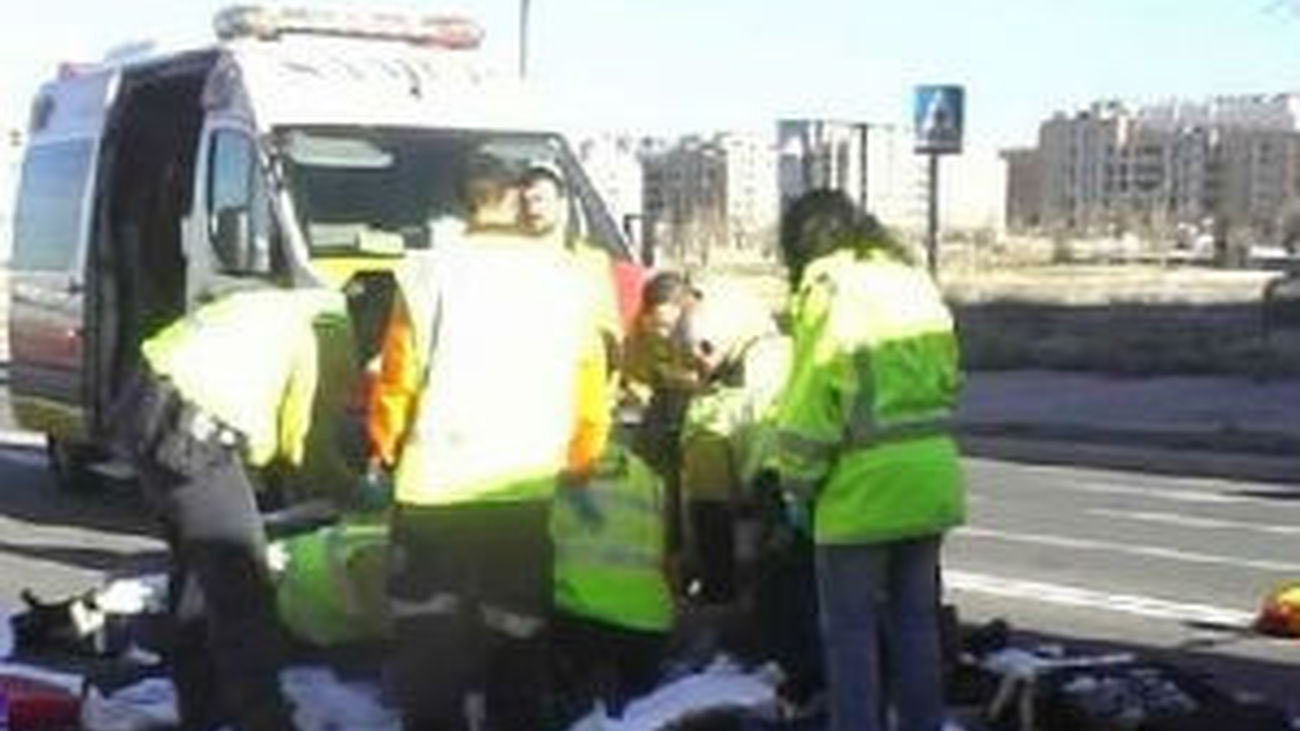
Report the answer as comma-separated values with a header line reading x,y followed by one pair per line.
x,y
634,231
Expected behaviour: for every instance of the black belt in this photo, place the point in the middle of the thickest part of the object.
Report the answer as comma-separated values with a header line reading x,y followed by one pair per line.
x,y
166,428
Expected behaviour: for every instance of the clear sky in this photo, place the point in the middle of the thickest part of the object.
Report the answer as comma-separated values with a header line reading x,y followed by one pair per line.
x,y
679,65
675,66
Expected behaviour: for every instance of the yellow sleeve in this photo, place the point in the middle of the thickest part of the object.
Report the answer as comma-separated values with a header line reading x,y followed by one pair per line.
x,y
592,413
300,391
812,410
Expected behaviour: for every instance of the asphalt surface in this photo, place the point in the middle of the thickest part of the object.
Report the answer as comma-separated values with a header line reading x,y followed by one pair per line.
x,y
1168,566
56,543
1163,565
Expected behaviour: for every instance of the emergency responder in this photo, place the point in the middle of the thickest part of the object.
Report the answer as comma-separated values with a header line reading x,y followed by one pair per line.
x,y
744,362
544,207
659,359
227,387
544,213
863,435
614,607
491,391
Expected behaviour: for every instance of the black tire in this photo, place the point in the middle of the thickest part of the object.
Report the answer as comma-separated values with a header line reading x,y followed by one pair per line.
x,y
70,465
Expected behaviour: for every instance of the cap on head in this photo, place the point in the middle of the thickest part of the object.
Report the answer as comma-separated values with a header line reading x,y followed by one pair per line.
x,y
543,170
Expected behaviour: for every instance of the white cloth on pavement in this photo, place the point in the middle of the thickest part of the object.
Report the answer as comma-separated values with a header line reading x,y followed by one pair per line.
x,y
134,595
720,686
148,704
322,702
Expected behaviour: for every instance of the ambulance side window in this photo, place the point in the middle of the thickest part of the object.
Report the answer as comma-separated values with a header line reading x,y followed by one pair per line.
x,y
51,201
240,225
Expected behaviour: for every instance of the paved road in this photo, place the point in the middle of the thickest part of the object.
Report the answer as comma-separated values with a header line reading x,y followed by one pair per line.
x,y
1175,566
55,543
1158,564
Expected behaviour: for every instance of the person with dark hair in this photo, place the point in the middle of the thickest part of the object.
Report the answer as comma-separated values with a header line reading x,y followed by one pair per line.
x,y
659,358
543,204
862,436
480,420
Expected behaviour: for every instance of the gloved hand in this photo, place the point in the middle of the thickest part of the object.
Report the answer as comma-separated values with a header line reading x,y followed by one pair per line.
x,y
374,490
797,514
579,498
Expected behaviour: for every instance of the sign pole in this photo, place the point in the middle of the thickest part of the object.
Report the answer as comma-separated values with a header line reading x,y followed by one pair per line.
x,y
863,130
932,230
938,115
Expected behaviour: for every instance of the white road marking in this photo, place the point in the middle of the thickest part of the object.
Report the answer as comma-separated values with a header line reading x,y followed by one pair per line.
x,y
25,457
1088,544
1159,493
1197,521
1074,596
20,438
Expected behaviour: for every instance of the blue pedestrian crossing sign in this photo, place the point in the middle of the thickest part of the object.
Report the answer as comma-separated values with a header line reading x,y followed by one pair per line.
x,y
937,117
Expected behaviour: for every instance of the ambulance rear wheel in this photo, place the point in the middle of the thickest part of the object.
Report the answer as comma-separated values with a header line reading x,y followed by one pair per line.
x,y
70,465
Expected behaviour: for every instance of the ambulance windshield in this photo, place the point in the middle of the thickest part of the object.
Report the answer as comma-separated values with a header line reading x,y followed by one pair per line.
x,y
383,191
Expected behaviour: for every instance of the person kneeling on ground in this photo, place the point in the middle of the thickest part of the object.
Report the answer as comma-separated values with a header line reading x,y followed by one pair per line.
x,y
614,608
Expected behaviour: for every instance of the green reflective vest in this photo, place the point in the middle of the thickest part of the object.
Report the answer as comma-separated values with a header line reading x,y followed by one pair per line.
x,y
613,571
331,588
249,360
863,423
726,427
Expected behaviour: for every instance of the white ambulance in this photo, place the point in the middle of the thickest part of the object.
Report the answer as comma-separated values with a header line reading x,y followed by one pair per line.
x,y
302,147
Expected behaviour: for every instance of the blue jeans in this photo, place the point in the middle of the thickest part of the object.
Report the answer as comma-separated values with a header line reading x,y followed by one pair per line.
x,y
890,592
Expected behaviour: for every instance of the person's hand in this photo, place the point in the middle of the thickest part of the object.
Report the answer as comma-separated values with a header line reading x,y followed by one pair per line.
x,y
578,497
797,514
374,490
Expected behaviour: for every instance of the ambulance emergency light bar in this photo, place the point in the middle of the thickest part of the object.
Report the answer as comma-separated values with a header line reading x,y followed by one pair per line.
x,y
269,23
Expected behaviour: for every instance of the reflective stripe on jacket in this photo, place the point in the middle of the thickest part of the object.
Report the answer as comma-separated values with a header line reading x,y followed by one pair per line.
x,y
249,360
492,377
612,570
864,419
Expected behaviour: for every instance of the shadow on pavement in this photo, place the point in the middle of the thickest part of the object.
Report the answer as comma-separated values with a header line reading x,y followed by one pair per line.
x,y
98,559
1280,493
28,493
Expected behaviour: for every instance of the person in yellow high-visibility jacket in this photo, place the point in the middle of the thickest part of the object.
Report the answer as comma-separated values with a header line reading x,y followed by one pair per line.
x,y
862,436
226,388
492,392
614,606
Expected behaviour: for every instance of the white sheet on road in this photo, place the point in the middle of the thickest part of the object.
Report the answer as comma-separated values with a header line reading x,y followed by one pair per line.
x,y
323,702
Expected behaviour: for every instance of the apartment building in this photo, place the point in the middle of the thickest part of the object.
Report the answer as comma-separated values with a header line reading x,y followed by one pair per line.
x,y
1112,168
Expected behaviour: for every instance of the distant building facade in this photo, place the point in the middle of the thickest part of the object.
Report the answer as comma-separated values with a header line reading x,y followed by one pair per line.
x,y
613,162
1112,169
710,196
821,153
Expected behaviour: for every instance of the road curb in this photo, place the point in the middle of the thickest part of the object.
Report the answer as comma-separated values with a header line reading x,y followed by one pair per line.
x,y
1185,461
